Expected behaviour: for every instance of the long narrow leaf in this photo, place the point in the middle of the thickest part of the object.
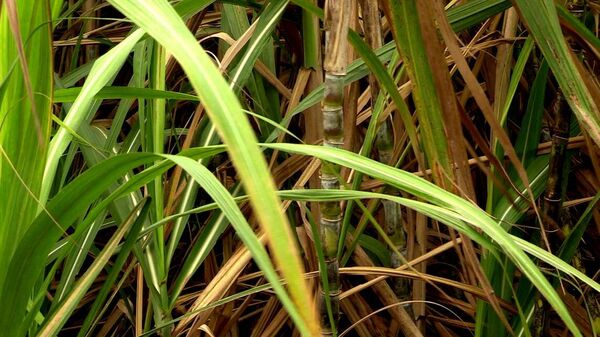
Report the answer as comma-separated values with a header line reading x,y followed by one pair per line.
x,y
436,195
226,113
542,20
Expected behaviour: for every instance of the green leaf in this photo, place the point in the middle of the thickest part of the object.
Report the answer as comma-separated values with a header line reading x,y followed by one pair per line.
x,y
26,66
406,26
431,193
531,126
70,94
103,70
225,112
58,318
542,21
26,264
473,12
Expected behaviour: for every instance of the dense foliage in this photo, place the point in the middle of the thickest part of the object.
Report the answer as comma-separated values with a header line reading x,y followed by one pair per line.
x,y
299,167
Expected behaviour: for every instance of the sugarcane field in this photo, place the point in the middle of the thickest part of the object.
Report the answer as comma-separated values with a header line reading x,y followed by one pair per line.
x,y
299,168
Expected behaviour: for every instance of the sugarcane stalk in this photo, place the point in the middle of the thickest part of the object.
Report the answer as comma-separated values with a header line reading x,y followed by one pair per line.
x,y
552,199
384,142
337,14
578,9
553,195
392,213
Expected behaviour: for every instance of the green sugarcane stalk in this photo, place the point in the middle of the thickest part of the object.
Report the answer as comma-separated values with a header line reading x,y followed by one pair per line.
x,y
384,142
337,19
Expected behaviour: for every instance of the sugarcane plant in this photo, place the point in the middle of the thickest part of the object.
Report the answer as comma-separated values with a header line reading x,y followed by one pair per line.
x,y
384,143
337,14
552,200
